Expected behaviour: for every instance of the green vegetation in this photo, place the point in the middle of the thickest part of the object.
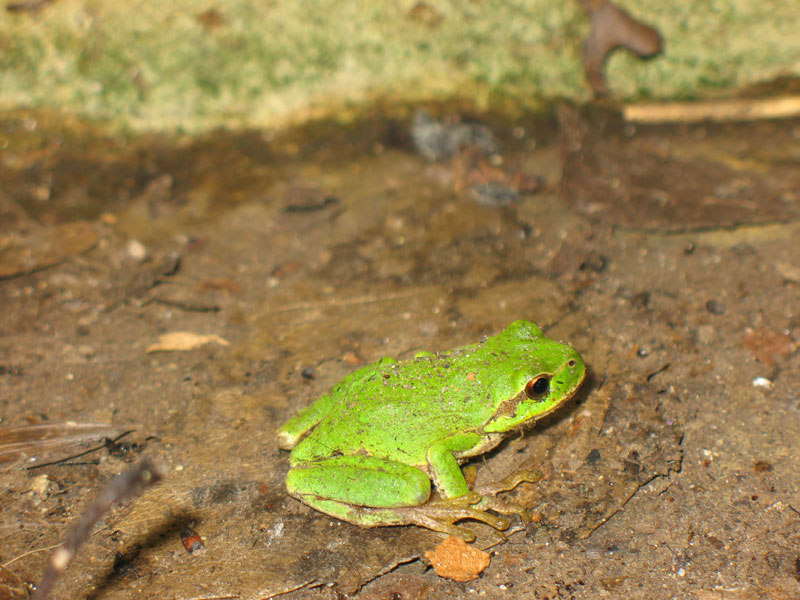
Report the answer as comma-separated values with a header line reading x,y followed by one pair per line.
x,y
183,64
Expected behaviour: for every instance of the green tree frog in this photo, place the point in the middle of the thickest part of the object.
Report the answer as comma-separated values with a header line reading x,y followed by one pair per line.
x,y
367,451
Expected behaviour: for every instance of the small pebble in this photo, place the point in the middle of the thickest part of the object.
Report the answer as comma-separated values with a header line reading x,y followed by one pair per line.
x,y
714,307
136,250
762,382
86,351
706,334
191,540
494,194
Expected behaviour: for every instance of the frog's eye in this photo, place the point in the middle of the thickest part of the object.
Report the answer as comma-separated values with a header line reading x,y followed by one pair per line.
x,y
537,387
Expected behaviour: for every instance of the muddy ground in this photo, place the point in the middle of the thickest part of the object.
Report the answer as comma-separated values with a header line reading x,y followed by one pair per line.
x,y
667,255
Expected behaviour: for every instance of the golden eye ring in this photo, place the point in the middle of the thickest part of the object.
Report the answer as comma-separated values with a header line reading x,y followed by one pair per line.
x,y
537,387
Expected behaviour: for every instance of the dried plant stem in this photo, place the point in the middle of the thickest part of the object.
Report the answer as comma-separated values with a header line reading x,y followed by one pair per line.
x,y
129,484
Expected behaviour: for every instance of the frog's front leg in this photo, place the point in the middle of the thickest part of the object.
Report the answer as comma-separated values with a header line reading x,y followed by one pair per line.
x,y
458,502
445,469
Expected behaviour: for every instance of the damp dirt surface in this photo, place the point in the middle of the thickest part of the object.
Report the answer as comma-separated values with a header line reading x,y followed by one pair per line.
x,y
180,298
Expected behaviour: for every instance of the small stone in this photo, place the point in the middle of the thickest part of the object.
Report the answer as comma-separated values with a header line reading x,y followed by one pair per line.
x,y
41,486
762,382
136,250
714,307
86,351
706,334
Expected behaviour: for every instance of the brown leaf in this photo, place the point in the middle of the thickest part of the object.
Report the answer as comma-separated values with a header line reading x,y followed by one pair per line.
x,y
22,442
211,19
182,341
767,345
457,560
23,253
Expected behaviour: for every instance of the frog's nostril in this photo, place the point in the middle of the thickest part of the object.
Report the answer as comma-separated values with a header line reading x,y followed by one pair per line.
x,y
572,363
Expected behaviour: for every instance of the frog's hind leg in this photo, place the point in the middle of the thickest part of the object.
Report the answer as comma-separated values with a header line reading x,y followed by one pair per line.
x,y
359,481
371,492
359,515
439,515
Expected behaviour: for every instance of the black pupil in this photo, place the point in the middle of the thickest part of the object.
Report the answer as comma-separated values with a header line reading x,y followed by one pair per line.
x,y
540,386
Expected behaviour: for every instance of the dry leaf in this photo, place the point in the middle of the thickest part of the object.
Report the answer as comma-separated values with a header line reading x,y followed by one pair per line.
x,y
43,441
181,341
768,345
457,560
22,253
788,271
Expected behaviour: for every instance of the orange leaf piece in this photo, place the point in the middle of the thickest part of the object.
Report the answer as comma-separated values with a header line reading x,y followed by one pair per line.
x,y
181,341
457,560
768,345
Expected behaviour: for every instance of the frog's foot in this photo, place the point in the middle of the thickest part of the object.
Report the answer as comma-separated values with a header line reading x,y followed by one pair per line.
x,y
442,514
438,515
489,499
509,483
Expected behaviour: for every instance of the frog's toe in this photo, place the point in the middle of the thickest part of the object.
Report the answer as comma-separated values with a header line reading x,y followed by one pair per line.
x,y
504,507
442,514
509,483
444,526
453,514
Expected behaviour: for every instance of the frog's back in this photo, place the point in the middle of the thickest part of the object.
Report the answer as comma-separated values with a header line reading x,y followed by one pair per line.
x,y
399,409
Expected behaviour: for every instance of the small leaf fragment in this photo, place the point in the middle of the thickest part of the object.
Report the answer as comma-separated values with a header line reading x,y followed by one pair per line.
x,y
455,559
768,345
182,341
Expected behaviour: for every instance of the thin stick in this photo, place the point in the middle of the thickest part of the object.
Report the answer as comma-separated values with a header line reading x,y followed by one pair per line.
x,y
129,484
749,109
74,456
28,553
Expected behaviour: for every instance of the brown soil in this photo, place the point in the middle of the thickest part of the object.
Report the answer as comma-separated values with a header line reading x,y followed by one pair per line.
x,y
668,256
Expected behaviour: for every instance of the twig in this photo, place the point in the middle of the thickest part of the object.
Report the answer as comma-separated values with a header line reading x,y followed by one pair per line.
x,y
84,453
749,109
28,553
129,484
27,6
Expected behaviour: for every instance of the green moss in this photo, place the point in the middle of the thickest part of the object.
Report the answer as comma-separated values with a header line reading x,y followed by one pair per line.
x,y
158,64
